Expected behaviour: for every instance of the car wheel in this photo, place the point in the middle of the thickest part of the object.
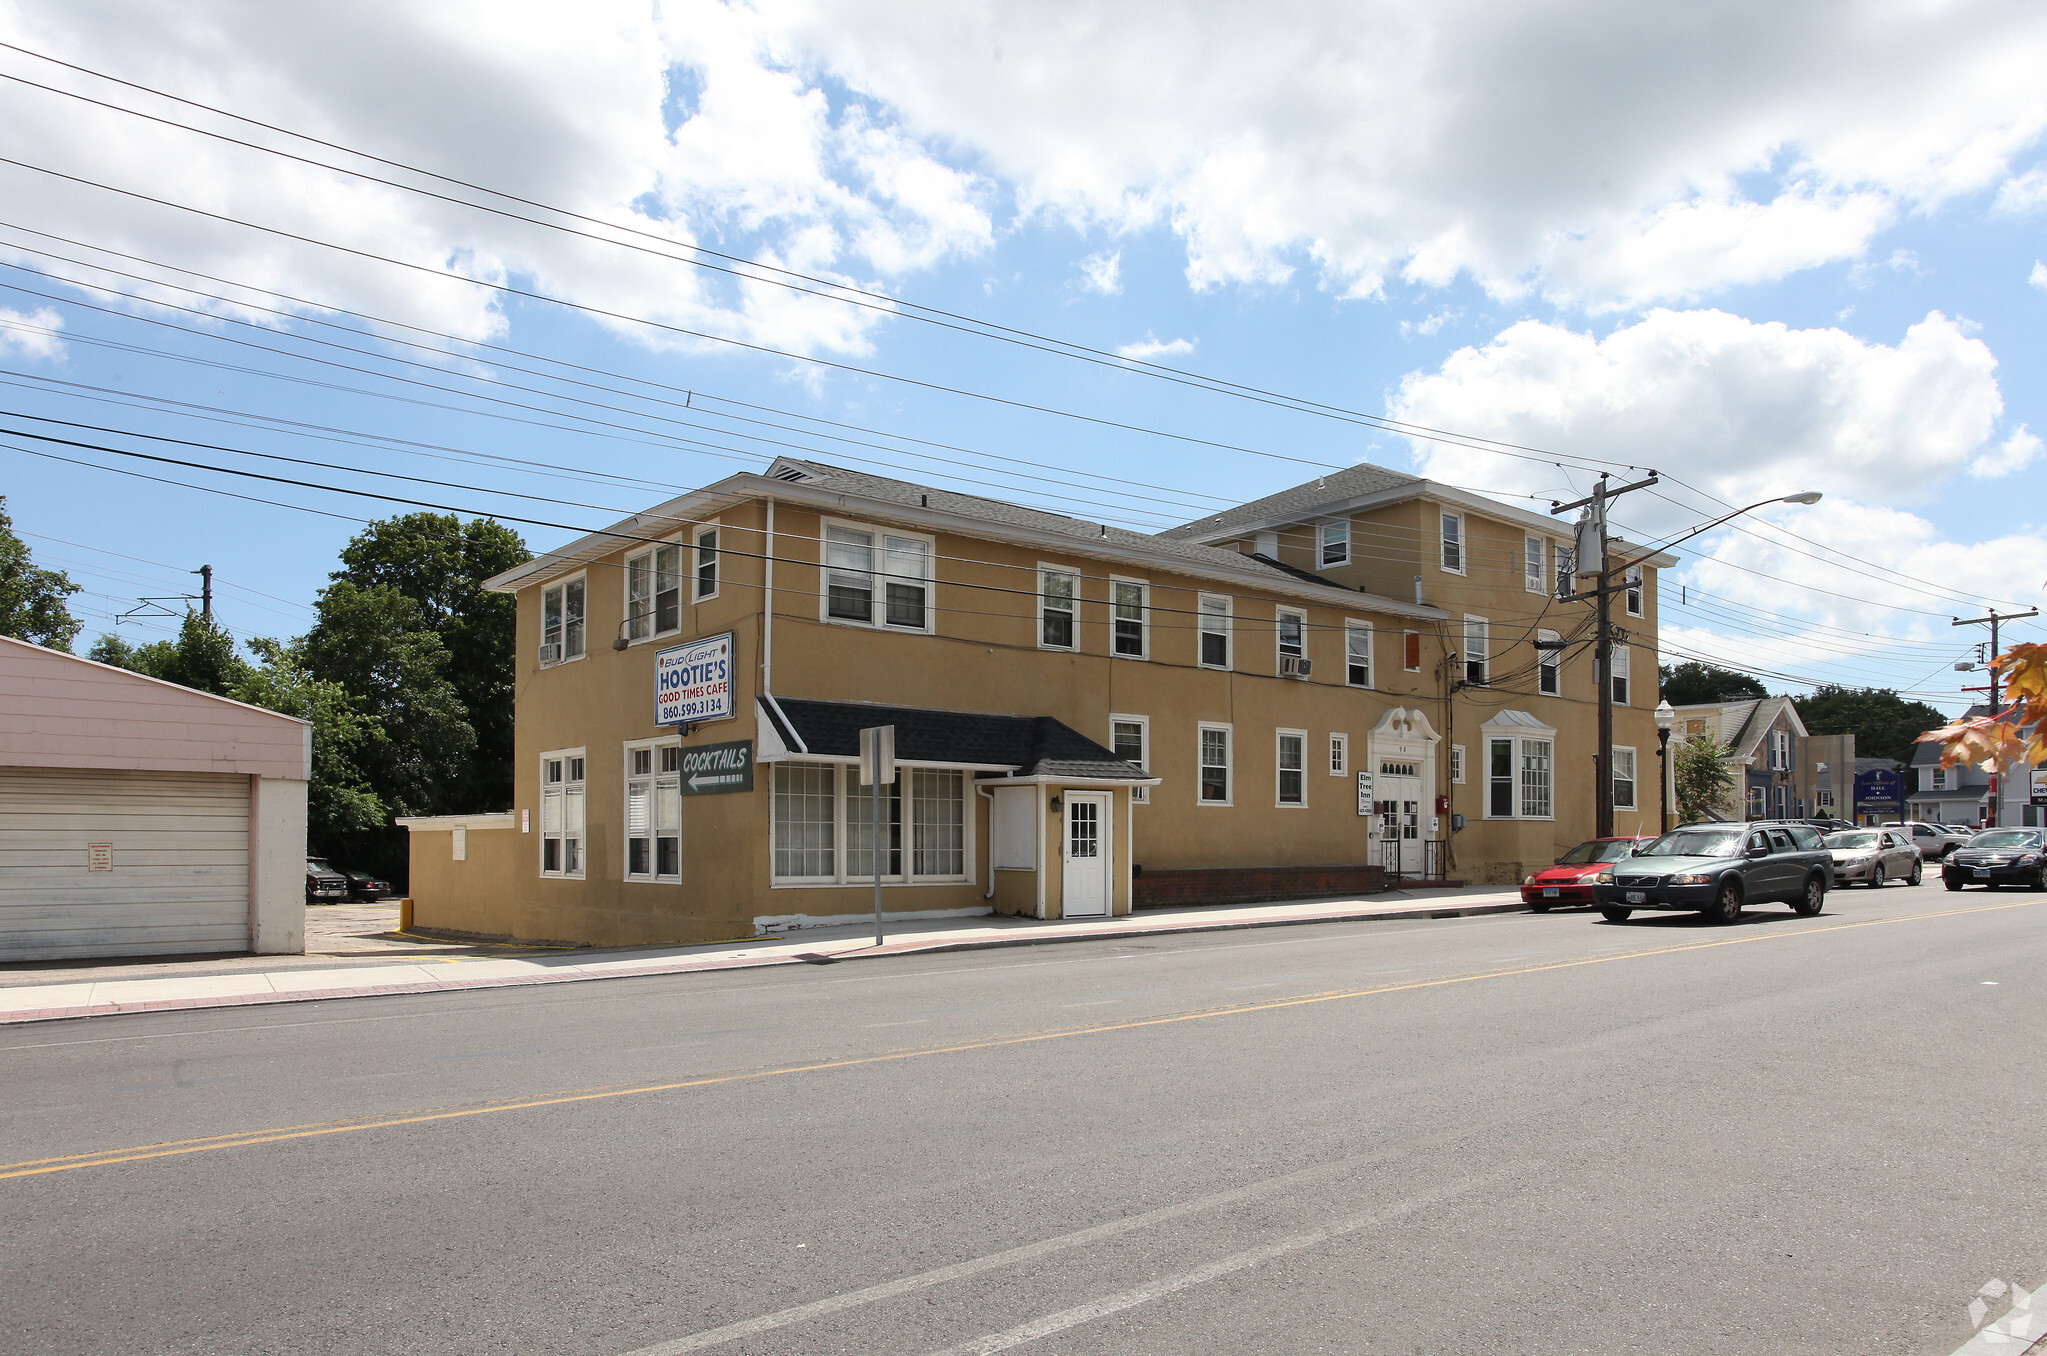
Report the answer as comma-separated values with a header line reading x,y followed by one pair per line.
x,y
1616,915
1815,898
1876,877
1918,874
2039,880
1950,881
1536,906
1727,905
1991,884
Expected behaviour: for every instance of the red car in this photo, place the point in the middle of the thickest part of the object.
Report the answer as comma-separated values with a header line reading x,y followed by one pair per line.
x,y
1571,880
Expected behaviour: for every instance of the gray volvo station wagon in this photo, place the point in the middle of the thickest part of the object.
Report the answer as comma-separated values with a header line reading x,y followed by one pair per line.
x,y
1719,869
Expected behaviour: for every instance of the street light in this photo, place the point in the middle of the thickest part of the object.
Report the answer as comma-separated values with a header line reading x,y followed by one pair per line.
x,y
1603,648
1666,716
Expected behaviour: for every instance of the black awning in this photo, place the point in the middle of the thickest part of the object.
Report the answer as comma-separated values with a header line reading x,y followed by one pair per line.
x,y
1030,746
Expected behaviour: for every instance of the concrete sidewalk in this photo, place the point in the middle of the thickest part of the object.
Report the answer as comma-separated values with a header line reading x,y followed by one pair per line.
x,y
33,996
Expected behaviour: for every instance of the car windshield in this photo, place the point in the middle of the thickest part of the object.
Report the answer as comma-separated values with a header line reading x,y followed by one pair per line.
x,y
2005,838
1867,838
1595,851
1696,843
317,864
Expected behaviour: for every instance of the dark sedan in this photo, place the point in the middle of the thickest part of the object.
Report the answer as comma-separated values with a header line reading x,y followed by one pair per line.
x,y
1719,869
1997,857
364,887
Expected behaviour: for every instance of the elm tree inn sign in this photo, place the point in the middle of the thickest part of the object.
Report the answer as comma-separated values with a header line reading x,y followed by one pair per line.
x,y
711,769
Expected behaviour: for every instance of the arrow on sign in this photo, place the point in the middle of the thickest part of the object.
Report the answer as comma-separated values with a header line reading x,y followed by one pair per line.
x,y
722,779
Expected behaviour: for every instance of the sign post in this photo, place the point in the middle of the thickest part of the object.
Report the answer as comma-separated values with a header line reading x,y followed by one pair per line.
x,y
877,768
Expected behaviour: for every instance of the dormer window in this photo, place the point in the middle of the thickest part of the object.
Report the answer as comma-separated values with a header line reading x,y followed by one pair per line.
x,y
1334,540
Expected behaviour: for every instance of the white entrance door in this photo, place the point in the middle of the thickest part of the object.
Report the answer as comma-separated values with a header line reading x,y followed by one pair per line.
x,y
1399,793
1084,892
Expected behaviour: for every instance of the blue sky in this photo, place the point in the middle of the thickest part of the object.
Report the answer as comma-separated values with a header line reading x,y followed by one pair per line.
x,y
1760,252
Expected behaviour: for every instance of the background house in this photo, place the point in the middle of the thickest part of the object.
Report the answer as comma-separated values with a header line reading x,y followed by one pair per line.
x,y
1781,770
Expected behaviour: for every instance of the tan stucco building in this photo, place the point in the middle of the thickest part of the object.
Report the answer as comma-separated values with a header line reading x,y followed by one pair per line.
x,y
1320,683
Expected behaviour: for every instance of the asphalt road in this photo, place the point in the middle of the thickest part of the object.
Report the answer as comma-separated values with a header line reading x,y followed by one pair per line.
x,y
1522,1134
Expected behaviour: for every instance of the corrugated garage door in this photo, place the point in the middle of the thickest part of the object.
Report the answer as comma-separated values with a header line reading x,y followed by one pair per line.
x,y
174,874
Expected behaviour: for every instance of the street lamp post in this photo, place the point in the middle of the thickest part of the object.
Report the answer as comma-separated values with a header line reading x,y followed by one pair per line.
x,y
1594,558
1666,716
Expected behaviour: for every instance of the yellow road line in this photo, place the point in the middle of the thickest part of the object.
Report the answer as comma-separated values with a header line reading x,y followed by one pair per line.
x,y
176,1148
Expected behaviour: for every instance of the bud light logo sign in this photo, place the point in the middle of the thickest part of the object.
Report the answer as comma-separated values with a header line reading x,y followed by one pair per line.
x,y
693,682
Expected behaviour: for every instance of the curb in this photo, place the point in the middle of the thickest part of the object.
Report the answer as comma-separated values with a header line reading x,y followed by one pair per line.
x,y
933,947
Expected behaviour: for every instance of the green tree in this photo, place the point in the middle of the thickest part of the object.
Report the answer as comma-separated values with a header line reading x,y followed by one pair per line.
x,y
203,656
1691,683
342,811
1884,724
1702,780
439,563
32,601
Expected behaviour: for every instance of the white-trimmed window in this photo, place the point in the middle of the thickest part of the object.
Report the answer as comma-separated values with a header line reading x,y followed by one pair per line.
x,y
1339,755
707,562
1567,569
1213,611
1499,779
1549,665
563,620
1457,765
822,826
1290,625
1621,666
1411,651
653,592
562,777
1535,570
1477,651
1357,653
879,579
1334,540
1756,808
1453,542
1058,619
1520,778
1634,580
1537,779
1213,752
653,811
1290,759
1623,778
1936,779
1780,750
1130,739
1129,618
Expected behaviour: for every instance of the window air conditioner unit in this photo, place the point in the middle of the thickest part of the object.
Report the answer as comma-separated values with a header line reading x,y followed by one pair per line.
x,y
1294,666
551,652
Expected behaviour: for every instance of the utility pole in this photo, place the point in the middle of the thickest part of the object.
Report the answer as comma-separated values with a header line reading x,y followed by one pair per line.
x,y
1996,692
1592,549
205,573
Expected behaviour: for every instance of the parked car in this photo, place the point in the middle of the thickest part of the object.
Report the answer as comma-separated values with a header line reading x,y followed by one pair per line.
x,y
1999,857
1570,881
365,887
1823,824
1873,856
1934,841
324,885
1719,869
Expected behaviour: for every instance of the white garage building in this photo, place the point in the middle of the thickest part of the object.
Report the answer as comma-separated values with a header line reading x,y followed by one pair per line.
x,y
140,818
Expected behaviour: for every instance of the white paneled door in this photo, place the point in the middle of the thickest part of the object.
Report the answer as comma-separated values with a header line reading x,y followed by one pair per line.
x,y
1085,889
96,863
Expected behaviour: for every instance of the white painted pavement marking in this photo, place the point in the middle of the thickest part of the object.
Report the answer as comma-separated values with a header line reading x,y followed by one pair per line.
x,y
1187,1280
801,1313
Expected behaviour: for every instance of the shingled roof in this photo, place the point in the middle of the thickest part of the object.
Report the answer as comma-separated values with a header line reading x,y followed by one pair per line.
x,y
1029,746
1304,500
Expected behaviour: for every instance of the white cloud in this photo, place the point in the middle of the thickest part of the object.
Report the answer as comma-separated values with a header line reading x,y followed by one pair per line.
x,y
1676,154
2038,277
31,335
1102,272
2015,453
2024,193
1151,348
568,105
1427,325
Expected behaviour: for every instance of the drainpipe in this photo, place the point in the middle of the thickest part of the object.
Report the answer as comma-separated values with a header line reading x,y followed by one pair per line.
x,y
768,607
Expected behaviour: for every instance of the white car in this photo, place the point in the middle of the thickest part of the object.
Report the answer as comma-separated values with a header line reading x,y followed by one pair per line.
x,y
1934,841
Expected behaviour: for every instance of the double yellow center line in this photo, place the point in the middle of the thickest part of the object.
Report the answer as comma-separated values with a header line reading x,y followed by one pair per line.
x,y
245,1139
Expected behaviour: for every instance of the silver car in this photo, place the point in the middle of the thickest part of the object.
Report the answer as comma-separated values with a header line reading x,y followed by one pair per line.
x,y
1873,856
1934,841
